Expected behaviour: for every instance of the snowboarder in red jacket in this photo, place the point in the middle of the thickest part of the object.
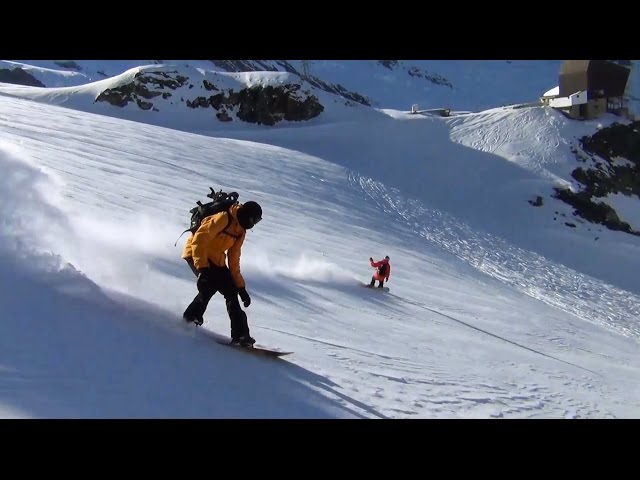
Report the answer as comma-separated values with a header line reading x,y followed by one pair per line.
x,y
383,270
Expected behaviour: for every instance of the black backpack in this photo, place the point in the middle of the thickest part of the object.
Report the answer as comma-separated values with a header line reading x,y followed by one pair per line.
x,y
220,202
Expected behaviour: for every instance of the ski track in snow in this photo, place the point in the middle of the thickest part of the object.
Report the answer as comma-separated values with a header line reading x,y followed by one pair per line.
x,y
528,272
484,132
413,387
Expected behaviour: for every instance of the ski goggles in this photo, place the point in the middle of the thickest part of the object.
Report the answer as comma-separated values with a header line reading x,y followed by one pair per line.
x,y
254,221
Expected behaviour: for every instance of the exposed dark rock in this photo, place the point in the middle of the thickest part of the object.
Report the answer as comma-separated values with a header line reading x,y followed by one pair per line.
x,y
343,92
18,76
390,64
264,105
199,102
131,92
144,105
216,100
223,116
537,202
161,79
336,88
595,212
432,77
209,86
68,64
607,176
260,65
244,65
269,105
615,141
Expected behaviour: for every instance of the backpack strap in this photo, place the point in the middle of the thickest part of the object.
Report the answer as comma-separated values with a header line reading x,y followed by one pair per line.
x,y
187,230
225,230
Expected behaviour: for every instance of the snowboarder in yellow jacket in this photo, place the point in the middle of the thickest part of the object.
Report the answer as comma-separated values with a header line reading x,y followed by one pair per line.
x,y
218,241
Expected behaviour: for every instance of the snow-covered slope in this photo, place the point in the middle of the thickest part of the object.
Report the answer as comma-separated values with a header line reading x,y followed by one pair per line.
x,y
503,303
193,99
484,169
91,207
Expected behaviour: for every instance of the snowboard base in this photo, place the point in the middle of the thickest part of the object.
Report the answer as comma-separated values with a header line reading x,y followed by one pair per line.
x,y
256,349
383,289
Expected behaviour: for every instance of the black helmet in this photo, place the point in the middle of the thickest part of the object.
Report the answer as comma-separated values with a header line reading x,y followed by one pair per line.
x,y
387,257
249,214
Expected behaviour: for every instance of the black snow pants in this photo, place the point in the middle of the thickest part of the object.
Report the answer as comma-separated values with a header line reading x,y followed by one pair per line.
x,y
218,279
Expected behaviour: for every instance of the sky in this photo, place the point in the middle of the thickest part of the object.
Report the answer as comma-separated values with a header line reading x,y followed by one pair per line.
x,y
495,309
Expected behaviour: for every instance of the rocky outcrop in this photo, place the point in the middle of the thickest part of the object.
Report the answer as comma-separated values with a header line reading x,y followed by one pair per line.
x,y
417,72
338,90
390,64
262,105
266,105
244,66
538,202
145,86
68,64
614,157
432,77
18,76
335,88
261,65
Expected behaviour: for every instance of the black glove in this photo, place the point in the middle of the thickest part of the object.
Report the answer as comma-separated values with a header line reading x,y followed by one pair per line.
x,y
246,299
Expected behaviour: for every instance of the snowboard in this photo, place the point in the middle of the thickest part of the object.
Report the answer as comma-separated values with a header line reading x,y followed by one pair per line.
x,y
256,349
383,289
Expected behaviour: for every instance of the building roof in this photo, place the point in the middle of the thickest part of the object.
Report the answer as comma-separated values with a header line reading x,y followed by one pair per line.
x,y
600,78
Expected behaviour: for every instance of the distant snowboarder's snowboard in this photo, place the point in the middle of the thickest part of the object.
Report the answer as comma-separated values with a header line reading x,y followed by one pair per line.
x,y
383,289
257,349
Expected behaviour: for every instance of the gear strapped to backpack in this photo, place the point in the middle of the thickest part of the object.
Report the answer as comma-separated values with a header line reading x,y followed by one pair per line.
x,y
220,202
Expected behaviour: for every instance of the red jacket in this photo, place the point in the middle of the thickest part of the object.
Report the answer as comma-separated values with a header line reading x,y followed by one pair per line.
x,y
386,271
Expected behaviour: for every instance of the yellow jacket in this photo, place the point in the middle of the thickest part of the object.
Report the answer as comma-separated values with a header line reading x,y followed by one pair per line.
x,y
212,242
186,251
